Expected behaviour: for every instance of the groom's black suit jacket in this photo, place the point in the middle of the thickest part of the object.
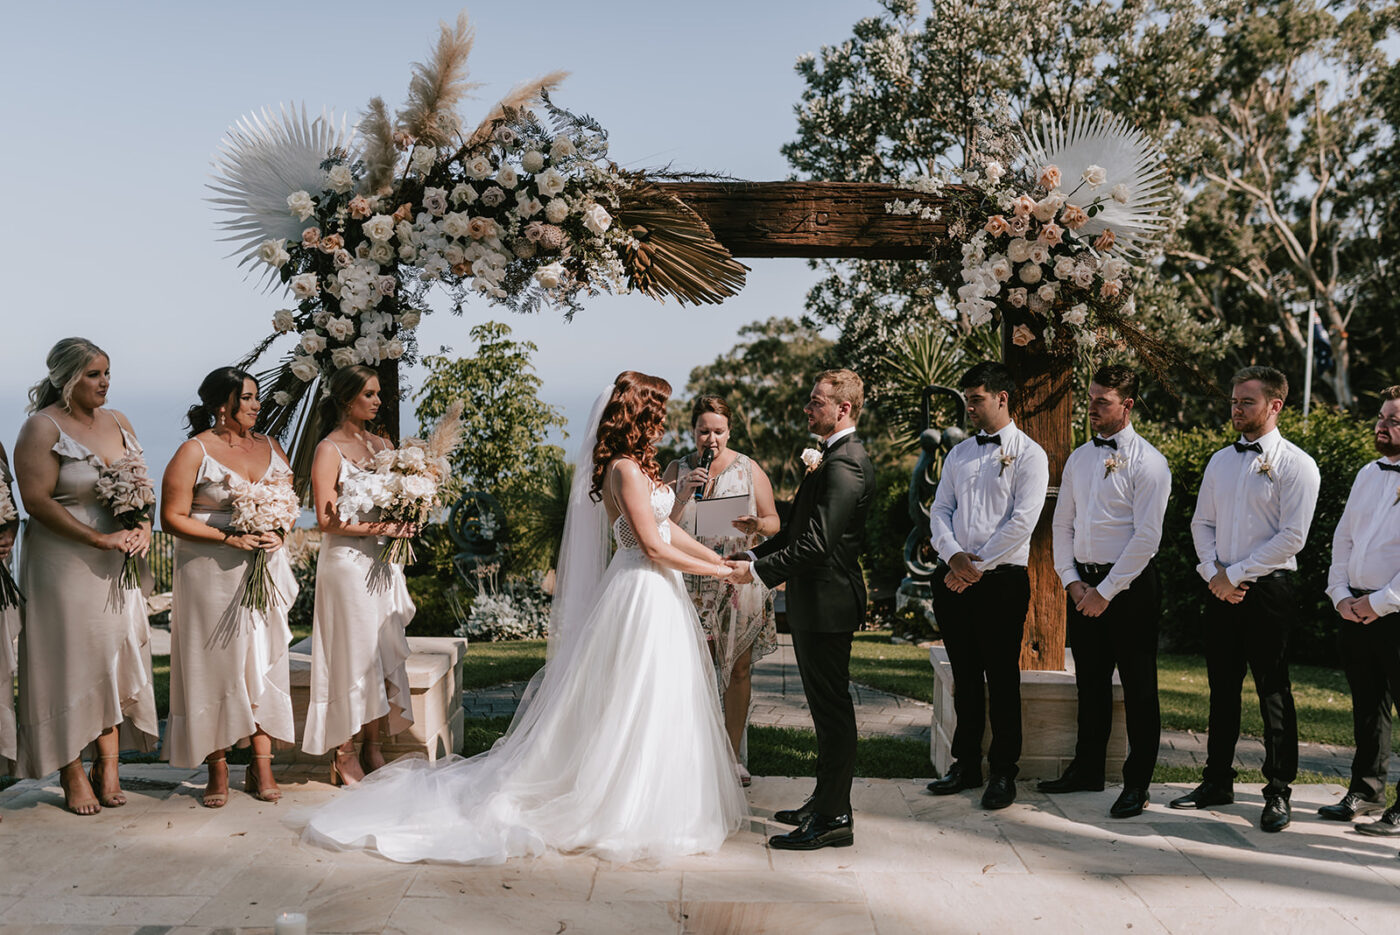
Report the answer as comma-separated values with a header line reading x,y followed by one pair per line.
x,y
817,552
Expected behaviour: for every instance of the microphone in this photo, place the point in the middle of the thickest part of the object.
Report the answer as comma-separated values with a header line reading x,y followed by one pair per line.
x,y
706,457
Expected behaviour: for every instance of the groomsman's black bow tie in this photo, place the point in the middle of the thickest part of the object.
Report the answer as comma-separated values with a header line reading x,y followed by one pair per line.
x,y
1387,466
1105,442
988,439
1255,447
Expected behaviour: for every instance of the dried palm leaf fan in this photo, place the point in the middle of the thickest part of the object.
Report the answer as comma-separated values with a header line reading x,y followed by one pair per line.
x,y
676,253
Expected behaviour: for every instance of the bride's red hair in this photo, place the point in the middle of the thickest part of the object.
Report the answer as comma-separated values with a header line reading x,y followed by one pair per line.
x,y
632,420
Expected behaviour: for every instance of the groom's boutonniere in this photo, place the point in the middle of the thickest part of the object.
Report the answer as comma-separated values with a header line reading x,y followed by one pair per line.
x,y
1112,464
812,458
1006,460
1262,465
1397,497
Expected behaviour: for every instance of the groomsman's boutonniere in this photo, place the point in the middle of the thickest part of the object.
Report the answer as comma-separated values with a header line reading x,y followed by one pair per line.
x,y
812,458
1397,497
1111,464
1006,460
1263,466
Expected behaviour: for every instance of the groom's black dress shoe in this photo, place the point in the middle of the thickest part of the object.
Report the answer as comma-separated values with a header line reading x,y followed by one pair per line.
x,y
958,778
817,831
1130,802
1073,780
1278,812
1001,792
793,816
1207,795
1388,825
1351,805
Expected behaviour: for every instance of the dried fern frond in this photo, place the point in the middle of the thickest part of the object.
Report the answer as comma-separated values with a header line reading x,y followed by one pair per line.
x,y
430,114
520,98
447,434
380,155
676,252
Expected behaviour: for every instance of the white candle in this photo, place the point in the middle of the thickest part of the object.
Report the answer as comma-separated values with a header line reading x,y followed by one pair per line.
x,y
289,922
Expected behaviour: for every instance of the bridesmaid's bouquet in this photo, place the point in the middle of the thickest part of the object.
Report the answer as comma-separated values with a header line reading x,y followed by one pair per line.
x,y
124,487
260,507
409,479
10,594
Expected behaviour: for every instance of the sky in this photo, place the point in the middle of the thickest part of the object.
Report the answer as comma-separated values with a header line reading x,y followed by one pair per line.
x,y
113,112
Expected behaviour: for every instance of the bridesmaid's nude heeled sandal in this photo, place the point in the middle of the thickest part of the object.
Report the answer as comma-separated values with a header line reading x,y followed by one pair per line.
x,y
250,782
113,800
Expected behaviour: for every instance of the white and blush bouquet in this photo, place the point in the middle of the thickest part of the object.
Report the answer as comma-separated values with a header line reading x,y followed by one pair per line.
x,y
124,487
10,594
408,481
262,507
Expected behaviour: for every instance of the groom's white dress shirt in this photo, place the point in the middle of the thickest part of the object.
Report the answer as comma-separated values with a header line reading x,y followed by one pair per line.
x,y
1366,545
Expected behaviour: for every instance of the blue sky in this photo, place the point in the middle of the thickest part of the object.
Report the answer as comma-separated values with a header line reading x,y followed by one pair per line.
x,y
112,112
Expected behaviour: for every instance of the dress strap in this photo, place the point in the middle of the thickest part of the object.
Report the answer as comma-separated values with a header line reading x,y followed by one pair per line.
x,y
201,446
55,423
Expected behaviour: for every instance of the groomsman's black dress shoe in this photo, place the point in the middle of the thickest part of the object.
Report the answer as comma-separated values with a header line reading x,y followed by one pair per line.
x,y
957,779
1207,795
1073,780
1278,813
1130,802
793,816
817,832
1351,805
1388,825
1001,792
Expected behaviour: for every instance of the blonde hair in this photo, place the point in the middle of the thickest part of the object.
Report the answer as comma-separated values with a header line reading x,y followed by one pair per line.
x,y
846,387
66,362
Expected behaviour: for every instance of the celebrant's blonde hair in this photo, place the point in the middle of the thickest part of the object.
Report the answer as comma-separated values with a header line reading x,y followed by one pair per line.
x,y
66,362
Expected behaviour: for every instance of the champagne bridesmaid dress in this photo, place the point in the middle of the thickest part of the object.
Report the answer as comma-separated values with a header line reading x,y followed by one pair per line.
x,y
228,664
358,645
84,648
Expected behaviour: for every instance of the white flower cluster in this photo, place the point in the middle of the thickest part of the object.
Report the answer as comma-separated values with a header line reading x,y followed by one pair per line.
x,y
8,513
124,487
403,487
263,506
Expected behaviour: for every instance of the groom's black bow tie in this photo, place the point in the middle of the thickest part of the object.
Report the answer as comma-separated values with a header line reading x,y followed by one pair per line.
x,y
988,439
1387,466
1255,447
1104,443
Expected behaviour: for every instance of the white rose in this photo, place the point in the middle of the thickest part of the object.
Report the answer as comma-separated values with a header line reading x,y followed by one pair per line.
x,y
556,210
550,182
1113,268
343,357
1046,292
304,286
463,193
506,177
549,276
1030,274
1077,314
527,205
454,224
1018,250
300,204
393,349
385,285
532,161
1095,176
1046,208
408,253
1119,193
339,328
381,253
1001,269
379,228
1083,276
341,178
479,168
273,252
1039,252
283,321
994,171
282,398
562,146
1064,267
423,159
313,343
304,368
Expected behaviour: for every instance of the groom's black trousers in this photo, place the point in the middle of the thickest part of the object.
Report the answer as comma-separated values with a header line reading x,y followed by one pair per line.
x,y
824,663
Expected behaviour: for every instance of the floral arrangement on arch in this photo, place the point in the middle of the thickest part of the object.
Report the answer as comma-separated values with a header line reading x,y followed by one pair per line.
x,y
524,210
1060,236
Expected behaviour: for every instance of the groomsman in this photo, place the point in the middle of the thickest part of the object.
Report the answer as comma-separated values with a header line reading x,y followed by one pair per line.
x,y
1108,524
988,501
1364,584
1252,517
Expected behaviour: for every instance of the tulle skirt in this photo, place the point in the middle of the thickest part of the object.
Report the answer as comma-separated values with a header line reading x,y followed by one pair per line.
x,y
618,750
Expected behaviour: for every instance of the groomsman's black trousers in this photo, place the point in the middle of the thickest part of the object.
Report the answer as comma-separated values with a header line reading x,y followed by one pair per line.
x,y
1252,634
824,663
981,630
1125,636
1371,655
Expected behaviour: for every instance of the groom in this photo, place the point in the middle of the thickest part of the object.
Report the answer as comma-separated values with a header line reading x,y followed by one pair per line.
x,y
816,553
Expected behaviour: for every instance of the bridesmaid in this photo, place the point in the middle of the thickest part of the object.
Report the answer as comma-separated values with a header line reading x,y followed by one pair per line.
x,y
84,649
737,618
9,630
228,664
359,683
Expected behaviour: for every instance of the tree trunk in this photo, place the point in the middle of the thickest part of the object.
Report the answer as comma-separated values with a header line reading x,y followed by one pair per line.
x,y
389,418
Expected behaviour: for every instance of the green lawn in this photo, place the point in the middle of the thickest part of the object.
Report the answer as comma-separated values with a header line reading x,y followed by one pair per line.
x,y
490,664
901,669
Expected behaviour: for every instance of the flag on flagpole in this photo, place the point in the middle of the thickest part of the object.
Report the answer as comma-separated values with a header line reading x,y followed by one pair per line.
x,y
1322,346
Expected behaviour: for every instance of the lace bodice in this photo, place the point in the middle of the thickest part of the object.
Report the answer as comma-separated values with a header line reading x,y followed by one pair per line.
x,y
662,498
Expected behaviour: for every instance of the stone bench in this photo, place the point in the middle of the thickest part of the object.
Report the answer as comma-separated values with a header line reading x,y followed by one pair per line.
x,y
435,686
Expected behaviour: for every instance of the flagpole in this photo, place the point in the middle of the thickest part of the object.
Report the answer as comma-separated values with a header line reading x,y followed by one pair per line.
x,y
1307,373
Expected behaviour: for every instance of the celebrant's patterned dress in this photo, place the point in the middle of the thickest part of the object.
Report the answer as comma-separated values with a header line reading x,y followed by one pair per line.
x,y
358,646
9,633
84,649
228,664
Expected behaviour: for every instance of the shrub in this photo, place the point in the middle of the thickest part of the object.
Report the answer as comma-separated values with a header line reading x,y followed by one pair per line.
x,y
518,611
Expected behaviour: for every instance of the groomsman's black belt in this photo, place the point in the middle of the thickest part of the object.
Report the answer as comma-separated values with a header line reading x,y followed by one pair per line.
x,y
1277,573
1361,592
1003,570
1092,575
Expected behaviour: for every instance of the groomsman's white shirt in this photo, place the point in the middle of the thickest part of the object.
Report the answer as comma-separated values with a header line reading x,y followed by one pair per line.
x,y
981,509
1366,545
1111,516
1254,522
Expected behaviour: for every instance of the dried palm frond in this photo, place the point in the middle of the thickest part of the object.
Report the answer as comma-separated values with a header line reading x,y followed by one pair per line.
x,y
430,115
520,98
262,160
676,252
447,434
380,155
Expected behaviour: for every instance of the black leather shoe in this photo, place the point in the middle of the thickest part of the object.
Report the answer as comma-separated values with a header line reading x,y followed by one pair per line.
x,y
1073,780
1207,795
1001,792
817,832
1388,825
957,779
1278,813
794,816
1351,805
1130,802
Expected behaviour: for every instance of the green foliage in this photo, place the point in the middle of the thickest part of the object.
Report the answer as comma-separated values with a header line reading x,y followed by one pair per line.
x,y
888,525
536,505
434,615
1339,443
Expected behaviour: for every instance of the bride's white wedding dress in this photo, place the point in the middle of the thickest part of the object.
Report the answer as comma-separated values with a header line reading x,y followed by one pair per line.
x,y
618,749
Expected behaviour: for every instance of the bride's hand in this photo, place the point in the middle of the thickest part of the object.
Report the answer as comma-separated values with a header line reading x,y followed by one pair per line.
x,y
724,572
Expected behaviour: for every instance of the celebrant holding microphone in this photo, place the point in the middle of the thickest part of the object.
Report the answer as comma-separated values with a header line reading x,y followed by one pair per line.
x,y
737,618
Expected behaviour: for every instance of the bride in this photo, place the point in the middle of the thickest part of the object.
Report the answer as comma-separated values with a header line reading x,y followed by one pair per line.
x,y
618,748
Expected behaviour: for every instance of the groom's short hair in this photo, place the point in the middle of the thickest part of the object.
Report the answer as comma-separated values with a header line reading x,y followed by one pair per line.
x,y
992,375
846,387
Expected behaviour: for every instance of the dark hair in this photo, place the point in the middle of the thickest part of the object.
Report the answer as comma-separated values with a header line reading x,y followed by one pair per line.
x,y
996,377
1389,393
628,425
1274,382
715,404
1116,377
221,387
341,389
846,387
